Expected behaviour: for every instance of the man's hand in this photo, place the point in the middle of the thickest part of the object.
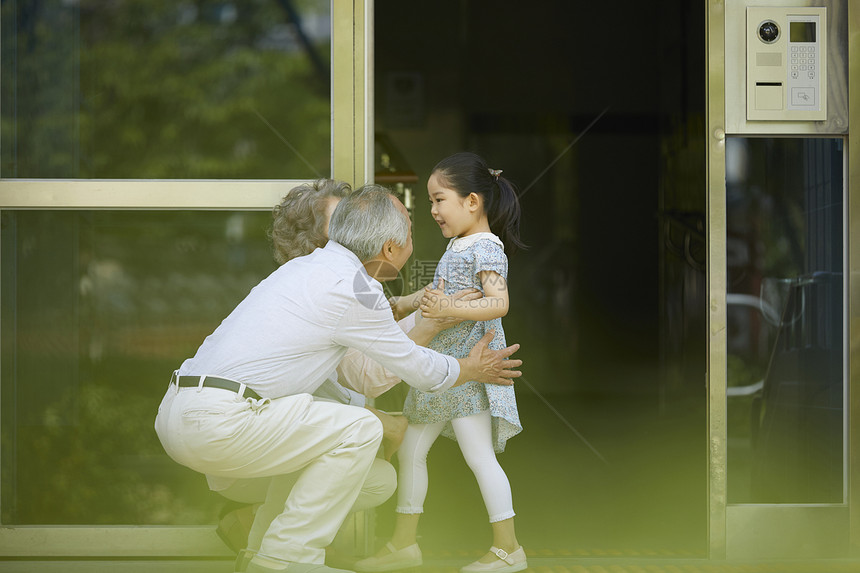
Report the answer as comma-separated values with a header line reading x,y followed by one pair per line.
x,y
489,366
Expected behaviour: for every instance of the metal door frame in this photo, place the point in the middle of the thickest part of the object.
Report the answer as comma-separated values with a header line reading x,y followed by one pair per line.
x,y
723,520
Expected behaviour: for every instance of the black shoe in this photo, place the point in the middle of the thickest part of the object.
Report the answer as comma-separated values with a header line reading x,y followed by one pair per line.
x,y
242,560
234,527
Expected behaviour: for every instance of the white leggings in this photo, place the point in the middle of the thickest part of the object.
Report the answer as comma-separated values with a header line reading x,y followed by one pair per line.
x,y
475,437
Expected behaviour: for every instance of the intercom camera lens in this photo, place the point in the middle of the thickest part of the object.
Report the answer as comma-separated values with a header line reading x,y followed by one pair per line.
x,y
768,31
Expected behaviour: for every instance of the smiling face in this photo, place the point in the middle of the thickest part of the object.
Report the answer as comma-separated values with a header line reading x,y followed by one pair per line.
x,y
456,216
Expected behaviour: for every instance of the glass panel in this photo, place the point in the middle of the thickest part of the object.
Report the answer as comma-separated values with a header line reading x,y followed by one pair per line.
x,y
98,308
163,89
786,359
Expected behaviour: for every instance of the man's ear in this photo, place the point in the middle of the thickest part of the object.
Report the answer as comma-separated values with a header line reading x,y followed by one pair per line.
x,y
388,249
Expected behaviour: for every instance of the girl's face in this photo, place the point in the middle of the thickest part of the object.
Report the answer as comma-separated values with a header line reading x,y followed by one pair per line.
x,y
455,215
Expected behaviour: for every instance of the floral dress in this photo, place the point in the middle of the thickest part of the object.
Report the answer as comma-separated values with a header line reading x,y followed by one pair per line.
x,y
464,258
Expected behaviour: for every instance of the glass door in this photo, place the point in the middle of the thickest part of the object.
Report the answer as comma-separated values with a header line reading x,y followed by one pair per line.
x,y
144,145
782,305
786,344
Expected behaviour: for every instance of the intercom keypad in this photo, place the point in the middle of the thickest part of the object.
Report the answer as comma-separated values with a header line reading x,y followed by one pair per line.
x,y
786,63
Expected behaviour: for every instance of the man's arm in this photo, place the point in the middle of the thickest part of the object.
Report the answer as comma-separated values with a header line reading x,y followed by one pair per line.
x,y
370,378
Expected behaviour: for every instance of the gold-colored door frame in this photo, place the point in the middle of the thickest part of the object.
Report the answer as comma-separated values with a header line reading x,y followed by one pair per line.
x,y
717,345
854,278
352,92
352,161
716,231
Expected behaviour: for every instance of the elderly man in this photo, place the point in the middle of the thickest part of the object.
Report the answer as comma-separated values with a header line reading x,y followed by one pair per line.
x,y
241,407
299,226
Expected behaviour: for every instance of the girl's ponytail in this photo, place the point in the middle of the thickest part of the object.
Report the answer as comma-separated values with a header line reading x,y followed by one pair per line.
x,y
504,215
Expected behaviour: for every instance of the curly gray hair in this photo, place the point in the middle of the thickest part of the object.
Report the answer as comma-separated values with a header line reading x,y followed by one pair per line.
x,y
299,220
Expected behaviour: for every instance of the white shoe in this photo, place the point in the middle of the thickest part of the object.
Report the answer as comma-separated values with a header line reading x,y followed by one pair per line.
x,y
507,563
405,558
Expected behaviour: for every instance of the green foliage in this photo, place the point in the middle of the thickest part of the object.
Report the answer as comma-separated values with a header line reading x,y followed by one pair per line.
x,y
107,467
159,89
106,305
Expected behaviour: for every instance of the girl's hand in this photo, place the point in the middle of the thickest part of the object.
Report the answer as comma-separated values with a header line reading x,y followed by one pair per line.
x,y
435,303
445,322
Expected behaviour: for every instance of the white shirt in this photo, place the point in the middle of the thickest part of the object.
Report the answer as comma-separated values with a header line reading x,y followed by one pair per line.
x,y
365,376
291,331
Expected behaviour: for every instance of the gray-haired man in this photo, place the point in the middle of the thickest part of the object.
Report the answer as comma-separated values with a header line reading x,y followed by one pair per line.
x,y
241,407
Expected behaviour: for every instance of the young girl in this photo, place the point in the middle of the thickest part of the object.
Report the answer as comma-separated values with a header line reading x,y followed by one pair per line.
x,y
479,211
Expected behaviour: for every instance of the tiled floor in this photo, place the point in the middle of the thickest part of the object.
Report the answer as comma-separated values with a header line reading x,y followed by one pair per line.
x,y
538,565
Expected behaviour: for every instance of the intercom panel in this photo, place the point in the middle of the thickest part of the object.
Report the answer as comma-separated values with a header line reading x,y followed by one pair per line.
x,y
786,63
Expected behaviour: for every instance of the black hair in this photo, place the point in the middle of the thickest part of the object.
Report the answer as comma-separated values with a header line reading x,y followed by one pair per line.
x,y
467,173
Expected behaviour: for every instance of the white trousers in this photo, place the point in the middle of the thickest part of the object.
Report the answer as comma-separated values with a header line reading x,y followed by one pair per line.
x,y
216,432
475,436
272,493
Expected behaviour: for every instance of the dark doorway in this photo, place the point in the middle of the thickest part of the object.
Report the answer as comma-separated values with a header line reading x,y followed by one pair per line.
x,y
596,111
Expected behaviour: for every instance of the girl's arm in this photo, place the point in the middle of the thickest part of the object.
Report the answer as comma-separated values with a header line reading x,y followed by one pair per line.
x,y
436,304
426,329
403,306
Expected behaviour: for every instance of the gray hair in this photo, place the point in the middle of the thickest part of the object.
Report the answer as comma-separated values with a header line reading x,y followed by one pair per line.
x,y
299,222
364,220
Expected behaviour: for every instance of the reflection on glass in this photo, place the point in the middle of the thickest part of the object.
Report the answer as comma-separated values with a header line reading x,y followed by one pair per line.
x,y
785,320
98,308
165,89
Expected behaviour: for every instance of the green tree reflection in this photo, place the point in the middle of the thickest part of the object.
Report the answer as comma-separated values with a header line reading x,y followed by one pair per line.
x,y
100,307
163,89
